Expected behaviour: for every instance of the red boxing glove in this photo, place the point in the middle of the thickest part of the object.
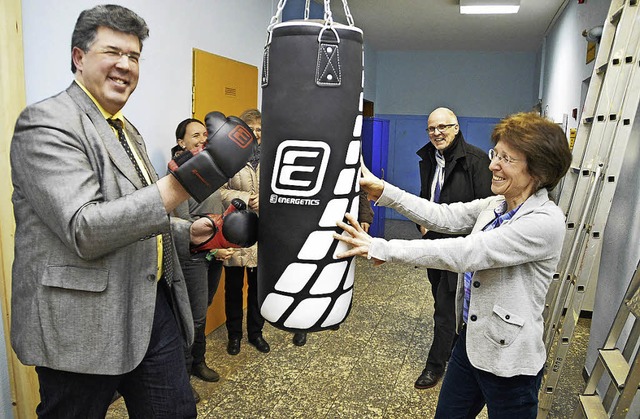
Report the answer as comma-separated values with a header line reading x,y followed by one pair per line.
x,y
237,227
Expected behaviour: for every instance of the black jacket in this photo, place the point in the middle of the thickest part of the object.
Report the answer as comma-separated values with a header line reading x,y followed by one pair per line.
x,y
466,177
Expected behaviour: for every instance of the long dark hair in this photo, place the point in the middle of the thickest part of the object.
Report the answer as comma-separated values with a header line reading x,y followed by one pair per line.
x,y
181,129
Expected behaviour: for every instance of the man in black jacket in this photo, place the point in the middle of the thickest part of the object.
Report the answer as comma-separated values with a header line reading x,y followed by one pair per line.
x,y
451,170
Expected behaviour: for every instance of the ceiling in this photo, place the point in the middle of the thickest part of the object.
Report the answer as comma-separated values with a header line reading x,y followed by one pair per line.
x,y
438,25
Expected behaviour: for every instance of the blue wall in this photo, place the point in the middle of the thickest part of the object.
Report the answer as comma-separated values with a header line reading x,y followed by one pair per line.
x,y
482,86
294,9
475,84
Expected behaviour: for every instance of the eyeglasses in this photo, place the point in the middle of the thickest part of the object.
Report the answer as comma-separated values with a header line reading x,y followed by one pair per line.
x,y
441,127
115,55
501,159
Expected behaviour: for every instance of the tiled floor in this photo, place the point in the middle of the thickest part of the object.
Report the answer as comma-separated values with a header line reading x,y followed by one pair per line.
x,y
366,369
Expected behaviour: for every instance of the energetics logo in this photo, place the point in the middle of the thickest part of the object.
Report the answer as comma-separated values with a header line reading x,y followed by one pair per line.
x,y
300,167
241,136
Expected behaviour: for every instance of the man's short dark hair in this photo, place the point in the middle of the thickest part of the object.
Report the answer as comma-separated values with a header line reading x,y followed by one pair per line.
x,y
110,16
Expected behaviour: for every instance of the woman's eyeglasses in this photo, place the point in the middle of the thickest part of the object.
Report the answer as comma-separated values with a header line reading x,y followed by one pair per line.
x,y
501,159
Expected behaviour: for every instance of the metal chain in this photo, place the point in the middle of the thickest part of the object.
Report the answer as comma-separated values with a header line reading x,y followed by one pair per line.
x,y
278,15
275,18
347,13
328,16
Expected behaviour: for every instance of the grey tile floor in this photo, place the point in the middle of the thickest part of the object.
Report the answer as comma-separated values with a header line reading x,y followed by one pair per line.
x,y
366,369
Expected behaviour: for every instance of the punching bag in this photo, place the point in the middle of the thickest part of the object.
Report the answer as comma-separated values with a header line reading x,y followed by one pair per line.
x,y
312,80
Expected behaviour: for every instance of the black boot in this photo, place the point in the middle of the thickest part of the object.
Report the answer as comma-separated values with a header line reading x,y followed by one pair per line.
x,y
299,338
202,371
427,379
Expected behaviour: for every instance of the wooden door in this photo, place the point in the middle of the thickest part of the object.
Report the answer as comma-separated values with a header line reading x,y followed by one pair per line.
x,y
228,86
222,84
23,380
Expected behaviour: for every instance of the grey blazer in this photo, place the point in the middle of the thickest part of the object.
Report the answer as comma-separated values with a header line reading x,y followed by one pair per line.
x,y
84,274
513,264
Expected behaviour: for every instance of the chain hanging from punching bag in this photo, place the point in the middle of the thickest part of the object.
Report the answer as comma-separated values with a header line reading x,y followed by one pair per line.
x,y
312,81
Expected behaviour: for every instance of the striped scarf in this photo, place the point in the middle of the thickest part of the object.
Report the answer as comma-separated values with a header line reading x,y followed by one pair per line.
x,y
438,177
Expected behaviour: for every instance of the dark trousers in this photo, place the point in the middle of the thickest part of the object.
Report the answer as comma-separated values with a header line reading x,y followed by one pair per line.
x,y
157,388
465,390
202,278
234,281
444,321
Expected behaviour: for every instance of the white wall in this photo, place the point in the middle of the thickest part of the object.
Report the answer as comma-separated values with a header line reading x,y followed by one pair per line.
x,y
565,56
232,28
479,84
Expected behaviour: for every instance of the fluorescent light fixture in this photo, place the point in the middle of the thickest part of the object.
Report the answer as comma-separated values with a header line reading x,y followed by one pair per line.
x,y
477,7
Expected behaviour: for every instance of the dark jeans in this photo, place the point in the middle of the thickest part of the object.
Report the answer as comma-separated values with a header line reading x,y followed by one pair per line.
x,y
444,321
233,283
465,390
202,278
157,388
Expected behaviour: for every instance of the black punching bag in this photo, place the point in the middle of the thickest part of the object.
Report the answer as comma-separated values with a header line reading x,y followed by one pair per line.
x,y
312,84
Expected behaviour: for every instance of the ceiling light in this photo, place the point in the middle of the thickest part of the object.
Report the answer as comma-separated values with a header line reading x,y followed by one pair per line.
x,y
471,7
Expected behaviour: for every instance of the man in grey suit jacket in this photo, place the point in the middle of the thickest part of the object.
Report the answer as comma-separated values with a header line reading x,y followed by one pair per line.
x,y
94,303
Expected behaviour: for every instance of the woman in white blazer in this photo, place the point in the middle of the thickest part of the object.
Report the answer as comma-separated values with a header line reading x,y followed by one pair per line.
x,y
505,266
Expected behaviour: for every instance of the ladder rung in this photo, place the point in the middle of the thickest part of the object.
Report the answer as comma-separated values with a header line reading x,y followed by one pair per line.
x,y
592,407
617,366
615,16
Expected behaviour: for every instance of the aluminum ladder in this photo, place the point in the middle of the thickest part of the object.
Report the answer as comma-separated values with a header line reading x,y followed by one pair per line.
x,y
587,190
618,370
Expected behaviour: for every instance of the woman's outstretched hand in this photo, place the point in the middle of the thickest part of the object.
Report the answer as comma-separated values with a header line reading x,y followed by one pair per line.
x,y
370,183
357,238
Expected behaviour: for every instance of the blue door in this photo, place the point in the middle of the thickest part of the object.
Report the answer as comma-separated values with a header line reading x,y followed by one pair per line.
x,y
375,148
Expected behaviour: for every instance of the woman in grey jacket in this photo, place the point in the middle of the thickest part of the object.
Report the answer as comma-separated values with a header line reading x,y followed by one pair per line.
x,y
504,265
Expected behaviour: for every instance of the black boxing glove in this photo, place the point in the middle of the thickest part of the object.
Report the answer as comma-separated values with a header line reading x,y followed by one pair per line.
x,y
205,169
237,227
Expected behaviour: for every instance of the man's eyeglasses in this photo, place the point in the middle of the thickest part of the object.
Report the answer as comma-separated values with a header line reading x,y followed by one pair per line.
x,y
441,127
115,55
501,159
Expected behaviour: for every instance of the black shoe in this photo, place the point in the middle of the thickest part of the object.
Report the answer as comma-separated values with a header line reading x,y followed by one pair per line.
x,y
260,344
196,396
233,347
203,372
299,338
427,379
